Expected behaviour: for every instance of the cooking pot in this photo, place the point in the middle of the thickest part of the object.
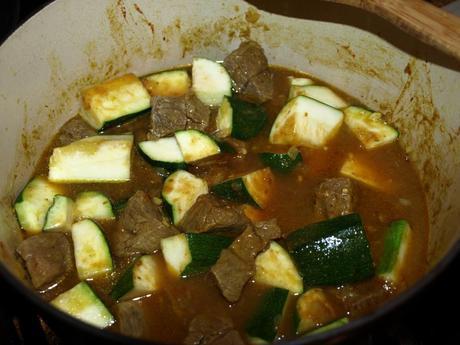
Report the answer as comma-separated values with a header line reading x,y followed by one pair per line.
x,y
73,43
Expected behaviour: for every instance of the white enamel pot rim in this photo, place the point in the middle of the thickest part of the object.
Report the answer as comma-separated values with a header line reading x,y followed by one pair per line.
x,y
73,43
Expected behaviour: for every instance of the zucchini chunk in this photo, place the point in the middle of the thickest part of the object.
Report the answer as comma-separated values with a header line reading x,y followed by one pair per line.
x,y
33,202
240,119
335,324
396,243
187,255
114,101
332,252
93,205
102,158
282,162
369,127
196,145
92,254
275,267
180,191
164,153
60,215
295,81
354,168
211,81
171,83
82,303
262,328
255,188
140,279
304,121
322,94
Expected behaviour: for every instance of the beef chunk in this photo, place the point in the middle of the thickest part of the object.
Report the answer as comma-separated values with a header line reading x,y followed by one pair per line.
x,y
130,317
335,197
236,264
48,257
248,68
210,329
171,114
141,227
210,213
74,129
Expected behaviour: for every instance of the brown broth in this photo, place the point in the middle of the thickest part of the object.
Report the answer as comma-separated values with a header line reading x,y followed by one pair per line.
x,y
169,312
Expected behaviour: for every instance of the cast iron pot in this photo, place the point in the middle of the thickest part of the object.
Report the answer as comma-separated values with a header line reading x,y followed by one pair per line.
x,y
73,43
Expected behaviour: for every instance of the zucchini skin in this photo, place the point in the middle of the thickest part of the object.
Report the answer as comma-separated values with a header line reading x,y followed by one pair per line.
x,y
170,167
124,284
234,190
248,119
330,326
280,162
123,119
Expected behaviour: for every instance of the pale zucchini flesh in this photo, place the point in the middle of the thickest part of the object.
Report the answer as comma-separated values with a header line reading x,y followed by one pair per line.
x,y
361,171
210,81
196,145
260,185
60,215
165,150
320,93
176,253
224,119
93,205
102,158
172,83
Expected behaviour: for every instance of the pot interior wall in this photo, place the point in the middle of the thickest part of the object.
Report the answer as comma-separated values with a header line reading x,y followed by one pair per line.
x,y
73,43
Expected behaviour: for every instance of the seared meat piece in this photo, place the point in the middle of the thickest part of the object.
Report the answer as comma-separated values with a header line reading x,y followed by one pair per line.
x,y
130,318
141,227
236,264
74,129
335,197
48,257
248,68
210,213
171,114
210,329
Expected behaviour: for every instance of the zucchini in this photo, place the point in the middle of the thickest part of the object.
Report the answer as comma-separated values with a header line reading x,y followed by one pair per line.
x,y
282,162
187,255
297,84
33,202
211,81
102,158
369,127
330,326
82,303
164,153
275,267
360,171
255,188
394,255
140,279
114,101
304,121
196,145
262,328
60,215
180,191
171,83
322,94
91,251
332,252
93,205
240,119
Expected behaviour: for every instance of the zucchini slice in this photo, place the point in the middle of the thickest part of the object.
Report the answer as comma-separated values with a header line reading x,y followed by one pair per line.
x,y
180,191
322,94
282,162
187,255
360,171
33,203
171,83
92,254
82,303
330,326
211,81
163,153
240,119
93,205
60,215
275,267
140,279
196,145
369,127
254,188
102,158
396,242
262,328
114,101
332,252
304,121
295,81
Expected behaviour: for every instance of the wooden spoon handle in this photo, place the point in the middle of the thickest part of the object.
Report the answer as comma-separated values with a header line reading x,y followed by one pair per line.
x,y
428,23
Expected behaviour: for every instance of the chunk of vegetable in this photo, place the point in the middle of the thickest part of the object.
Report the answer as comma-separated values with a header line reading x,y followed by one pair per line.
x,y
333,325
282,162
196,145
93,205
210,81
322,94
171,83
359,170
60,215
164,153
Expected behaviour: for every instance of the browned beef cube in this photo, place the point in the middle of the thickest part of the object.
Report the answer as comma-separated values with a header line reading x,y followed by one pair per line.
x,y
268,229
130,318
74,129
210,329
260,88
48,257
335,197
